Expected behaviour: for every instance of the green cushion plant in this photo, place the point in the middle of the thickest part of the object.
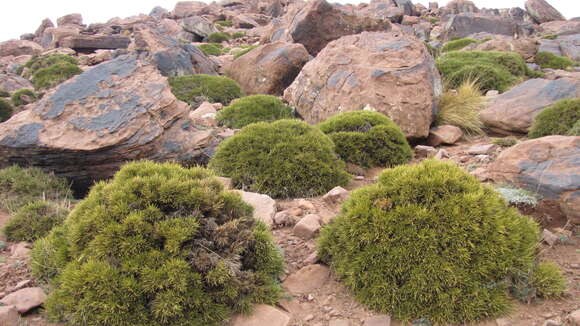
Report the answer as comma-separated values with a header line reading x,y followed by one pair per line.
x,y
367,139
285,158
4,93
54,75
458,44
552,61
225,23
34,220
211,48
557,119
194,89
158,244
45,61
575,130
17,97
218,37
251,109
5,110
429,241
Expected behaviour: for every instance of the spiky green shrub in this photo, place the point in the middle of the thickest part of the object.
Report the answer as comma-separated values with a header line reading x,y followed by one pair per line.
x,y
225,23
244,51
211,48
218,37
20,186
505,141
575,130
45,61
429,241
34,220
285,158
251,109
194,89
17,97
158,245
552,61
461,108
238,35
491,69
557,119
54,75
4,93
459,44
5,110
367,139
548,280
550,36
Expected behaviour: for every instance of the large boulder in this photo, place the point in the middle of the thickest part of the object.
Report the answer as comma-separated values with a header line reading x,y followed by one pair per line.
x,y
459,7
318,23
549,166
561,27
567,45
53,36
392,73
118,111
95,42
187,8
464,25
515,110
542,12
199,26
268,69
70,19
19,47
526,47
12,83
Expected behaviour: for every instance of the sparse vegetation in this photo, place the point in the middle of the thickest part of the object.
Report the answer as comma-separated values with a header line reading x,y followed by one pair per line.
x,y
211,48
429,241
238,35
34,221
458,44
557,119
243,51
5,110
552,61
461,108
50,70
225,23
543,280
285,158
518,197
575,130
159,244
218,37
251,109
194,89
550,36
505,141
4,93
367,139
18,97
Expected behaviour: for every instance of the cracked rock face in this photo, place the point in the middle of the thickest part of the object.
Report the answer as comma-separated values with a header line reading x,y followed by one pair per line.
x,y
88,127
391,73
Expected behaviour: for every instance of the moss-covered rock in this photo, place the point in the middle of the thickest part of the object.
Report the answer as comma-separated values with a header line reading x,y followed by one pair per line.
x,y
23,97
5,110
458,44
491,69
285,158
557,119
218,37
158,245
195,89
243,51
367,139
34,221
429,241
552,61
251,109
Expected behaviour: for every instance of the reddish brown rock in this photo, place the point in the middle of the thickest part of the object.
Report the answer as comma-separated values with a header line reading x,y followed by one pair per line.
x,y
70,19
465,25
380,320
445,134
549,166
12,83
187,8
559,27
525,47
25,299
392,73
261,315
307,279
307,227
52,36
264,206
542,11
9,316
459,7
19,47
336,196
268,69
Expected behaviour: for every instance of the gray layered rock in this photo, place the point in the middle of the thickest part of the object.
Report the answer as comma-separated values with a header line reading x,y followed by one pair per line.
x,y
12,83
199,26
95,42
464,25
542,11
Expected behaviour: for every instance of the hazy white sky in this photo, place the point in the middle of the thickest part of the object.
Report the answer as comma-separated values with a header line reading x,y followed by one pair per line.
x,y
24,16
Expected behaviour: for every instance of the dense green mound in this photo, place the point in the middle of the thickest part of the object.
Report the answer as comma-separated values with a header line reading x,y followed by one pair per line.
x,y
4,93
20,186
50,70
18,97
575,130
491,69
456,45
194,89
5,110
218,37
557,119
158,245
285,158
211,48
429,241
367,139
34,220
552,61
251,109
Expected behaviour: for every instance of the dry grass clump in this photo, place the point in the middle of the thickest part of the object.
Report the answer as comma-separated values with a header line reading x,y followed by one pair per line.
x,y
460,108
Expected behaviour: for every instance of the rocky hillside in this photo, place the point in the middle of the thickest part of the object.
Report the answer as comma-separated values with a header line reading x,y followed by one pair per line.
x,y
461,126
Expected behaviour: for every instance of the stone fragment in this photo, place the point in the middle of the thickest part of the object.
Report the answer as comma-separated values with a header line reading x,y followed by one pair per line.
x,y
445,134
484,149
307,227
307,279
381,320
336,196
264,206
9,316
261,315
25,299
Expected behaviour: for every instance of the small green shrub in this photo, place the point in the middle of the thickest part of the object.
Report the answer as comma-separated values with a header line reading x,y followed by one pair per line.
x,y
435,52
34,221
552,61
238,35
557,119
457,44
4,94
194,89
159,244
17,97
491,69
285,158
367,139
244,51
550,36
505,141
218,37
429,241
575,130
251,109
434,20
211,48
225,23
55,74
5,110
20,186
548,280
45,61
461,108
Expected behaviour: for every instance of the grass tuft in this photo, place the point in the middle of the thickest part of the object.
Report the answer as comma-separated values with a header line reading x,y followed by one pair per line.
x,y
461,108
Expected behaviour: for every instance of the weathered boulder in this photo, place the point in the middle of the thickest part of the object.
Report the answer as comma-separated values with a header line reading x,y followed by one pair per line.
x,y
262,315
19,47
25,299
526,47
117,111
549,166
70,19
406,5
269,68
565,45
459,7
199,26
187,8
307,279
318,23
445,134
392,73
12,83
264,206
159,12
464,25
9,315
52,36
542,11
561,27
95,42
515,110
307,227
46,23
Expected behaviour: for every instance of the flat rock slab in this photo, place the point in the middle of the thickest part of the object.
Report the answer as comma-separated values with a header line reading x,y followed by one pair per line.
x,y
94,42
262,315
9,316
25,299
307,279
